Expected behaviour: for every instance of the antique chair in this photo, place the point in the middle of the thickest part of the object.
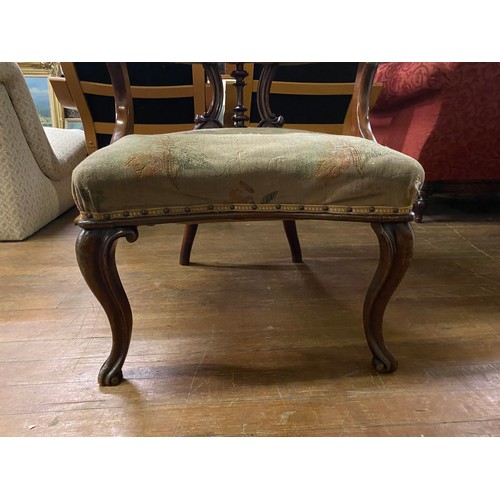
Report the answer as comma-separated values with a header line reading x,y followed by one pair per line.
x,y
35,162
240,174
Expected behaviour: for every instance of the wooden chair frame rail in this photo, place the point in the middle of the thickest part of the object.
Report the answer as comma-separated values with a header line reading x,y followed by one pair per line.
x,y
139,91
306,88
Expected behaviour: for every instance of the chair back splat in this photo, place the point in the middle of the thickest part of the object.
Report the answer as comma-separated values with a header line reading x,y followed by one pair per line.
x,y
264,172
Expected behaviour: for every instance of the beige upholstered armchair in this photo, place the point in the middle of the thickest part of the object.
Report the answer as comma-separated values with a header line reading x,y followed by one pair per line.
x,y
36,163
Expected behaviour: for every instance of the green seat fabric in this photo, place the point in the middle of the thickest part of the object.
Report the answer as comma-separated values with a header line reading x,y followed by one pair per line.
x,y
244,170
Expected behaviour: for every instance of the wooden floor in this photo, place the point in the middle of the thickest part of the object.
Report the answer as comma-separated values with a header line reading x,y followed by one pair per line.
x,y
245,343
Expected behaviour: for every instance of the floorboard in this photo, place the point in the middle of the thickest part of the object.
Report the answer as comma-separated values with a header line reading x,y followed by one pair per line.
x,y
246,343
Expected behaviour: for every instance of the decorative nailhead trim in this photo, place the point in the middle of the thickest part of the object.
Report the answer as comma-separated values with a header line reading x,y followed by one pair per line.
x,y
246,207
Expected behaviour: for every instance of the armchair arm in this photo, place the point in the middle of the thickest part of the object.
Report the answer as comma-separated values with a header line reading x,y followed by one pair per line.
x,y
406,81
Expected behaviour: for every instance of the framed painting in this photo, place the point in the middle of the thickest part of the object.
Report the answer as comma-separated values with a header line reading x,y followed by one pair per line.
x,y
49,109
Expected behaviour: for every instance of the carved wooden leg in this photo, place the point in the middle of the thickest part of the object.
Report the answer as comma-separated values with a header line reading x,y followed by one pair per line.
x,y
95,252
396,249
293,240
187,243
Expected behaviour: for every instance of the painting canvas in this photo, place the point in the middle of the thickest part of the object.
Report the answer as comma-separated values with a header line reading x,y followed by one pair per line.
x,y
39,89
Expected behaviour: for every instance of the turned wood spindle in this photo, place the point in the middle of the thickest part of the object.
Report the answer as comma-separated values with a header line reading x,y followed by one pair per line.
x,y
239,117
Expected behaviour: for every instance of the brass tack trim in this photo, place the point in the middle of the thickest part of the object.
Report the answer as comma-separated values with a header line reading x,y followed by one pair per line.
x,y
243,207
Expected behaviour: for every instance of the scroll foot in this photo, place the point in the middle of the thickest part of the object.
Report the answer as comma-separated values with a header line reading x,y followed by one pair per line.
x,y
396,249
95,251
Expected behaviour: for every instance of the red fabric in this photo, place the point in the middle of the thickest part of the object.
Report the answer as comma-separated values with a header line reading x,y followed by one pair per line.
x,y
446,115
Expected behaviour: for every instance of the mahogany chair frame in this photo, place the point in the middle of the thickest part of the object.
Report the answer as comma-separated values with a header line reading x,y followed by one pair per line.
x,y
96,243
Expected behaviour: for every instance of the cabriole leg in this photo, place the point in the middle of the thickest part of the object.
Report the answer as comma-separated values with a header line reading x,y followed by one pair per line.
x,y
95,252
396,249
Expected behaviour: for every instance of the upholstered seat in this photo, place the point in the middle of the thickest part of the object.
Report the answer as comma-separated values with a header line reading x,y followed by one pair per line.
x,y
244,170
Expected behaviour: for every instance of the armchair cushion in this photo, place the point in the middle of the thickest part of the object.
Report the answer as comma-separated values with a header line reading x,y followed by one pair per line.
x,y
67,149
276,169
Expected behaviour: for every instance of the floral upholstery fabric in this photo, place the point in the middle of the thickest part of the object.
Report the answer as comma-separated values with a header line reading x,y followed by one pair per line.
x,y
223,170
35,163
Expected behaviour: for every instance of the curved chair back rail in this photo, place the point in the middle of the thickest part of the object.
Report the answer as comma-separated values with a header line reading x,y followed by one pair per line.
x,y
240,174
